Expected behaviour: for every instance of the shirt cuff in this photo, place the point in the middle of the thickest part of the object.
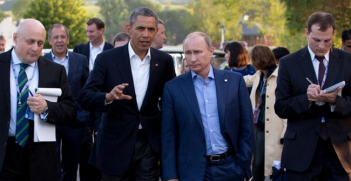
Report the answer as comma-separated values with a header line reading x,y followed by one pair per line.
x,y
44,115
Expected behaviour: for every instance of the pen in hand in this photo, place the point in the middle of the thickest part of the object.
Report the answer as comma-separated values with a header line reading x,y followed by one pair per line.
x,y
309,80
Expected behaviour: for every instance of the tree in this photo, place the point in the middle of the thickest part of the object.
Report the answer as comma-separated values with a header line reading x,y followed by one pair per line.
x,y
174,20
207,16
2,15
116,13
19,7
298,12
69,13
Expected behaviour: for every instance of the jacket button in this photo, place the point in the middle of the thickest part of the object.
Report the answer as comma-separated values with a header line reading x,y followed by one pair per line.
x,y
8,122
267,96
267,119
267,131
267,107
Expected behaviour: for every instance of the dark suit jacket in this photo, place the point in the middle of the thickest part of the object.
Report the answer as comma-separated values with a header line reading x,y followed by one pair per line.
x,y
41,155
77,76
304,121
85,50
115,144
183,138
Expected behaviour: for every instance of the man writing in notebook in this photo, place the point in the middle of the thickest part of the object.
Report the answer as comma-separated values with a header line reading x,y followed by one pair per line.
x,y
317,142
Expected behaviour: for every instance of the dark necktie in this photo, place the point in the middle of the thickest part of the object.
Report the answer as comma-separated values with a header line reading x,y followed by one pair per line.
x,y
321,71
22,123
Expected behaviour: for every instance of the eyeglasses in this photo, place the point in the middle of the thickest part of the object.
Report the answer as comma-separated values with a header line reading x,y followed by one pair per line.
x,y
56,37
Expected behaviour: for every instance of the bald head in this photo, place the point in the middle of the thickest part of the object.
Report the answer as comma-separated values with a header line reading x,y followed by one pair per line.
x,y
29,40
30,24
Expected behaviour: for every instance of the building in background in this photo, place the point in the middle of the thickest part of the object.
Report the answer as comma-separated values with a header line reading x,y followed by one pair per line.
x,y
7,29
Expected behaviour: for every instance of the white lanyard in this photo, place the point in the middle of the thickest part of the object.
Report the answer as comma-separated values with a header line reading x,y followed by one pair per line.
x,y
16,81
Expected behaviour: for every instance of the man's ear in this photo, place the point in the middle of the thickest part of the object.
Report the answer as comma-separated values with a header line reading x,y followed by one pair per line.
x,y
307,33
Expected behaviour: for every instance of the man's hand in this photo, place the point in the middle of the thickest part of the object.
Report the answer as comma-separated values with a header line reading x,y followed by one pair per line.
x,y
117,93
329,97
313,92
37,104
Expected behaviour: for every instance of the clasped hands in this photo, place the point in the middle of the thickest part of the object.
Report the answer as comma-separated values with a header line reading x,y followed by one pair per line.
x,y
314,94
117,93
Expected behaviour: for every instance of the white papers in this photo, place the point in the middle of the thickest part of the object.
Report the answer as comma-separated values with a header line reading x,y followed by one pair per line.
x,y
334,87
43,131
331,89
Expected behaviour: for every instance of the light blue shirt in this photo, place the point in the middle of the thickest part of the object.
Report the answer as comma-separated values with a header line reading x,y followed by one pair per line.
x,y
63,62
207,98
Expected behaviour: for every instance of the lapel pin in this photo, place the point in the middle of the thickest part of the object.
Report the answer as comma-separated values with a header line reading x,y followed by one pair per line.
x,y
225,80
156,65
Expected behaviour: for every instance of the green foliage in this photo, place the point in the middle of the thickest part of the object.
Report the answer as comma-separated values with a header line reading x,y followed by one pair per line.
x,y
19,7
298,12
2,15
69,13
174,23
207,16
116,13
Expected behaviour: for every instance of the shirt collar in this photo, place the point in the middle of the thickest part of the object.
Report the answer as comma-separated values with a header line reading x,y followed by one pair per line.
x,y
132,53
54,56
326,56
101,47
17,61
210,74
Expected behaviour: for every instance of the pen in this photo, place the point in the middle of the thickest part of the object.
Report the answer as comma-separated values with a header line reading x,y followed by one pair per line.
x,y
309,80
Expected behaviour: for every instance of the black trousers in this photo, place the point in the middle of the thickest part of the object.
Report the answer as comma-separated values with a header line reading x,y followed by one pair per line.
x,y
19,165
144,166
325,166
258,158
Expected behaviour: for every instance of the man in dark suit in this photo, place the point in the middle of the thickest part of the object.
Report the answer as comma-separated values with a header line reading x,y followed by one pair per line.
x,y
95,28
22,70
126,83
71,134
207,127
317,142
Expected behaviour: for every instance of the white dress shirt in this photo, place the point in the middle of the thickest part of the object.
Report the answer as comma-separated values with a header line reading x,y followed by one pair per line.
x,y
32,72
141,74
94,51
316,63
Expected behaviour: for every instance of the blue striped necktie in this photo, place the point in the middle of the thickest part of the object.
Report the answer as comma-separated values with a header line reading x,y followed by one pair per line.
x,y
22,123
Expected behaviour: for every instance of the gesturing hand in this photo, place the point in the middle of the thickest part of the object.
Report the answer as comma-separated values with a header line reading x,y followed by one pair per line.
x,y
117,93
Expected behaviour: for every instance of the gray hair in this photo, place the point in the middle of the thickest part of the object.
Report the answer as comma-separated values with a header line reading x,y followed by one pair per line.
x,y
142,11
58,26
201,34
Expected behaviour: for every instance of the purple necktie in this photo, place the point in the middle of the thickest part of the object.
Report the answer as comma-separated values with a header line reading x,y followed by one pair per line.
x,y
321,71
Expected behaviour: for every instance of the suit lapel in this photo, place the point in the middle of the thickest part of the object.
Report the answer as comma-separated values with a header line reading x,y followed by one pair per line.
x,y
334,68
126,71
188,90
153,76
72,65
222,91
307,66
5,63
86,51
43,70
